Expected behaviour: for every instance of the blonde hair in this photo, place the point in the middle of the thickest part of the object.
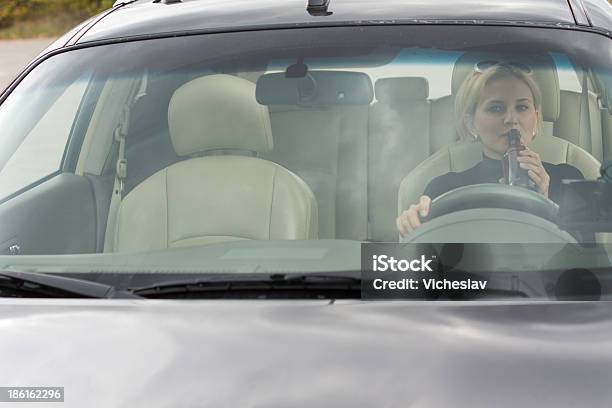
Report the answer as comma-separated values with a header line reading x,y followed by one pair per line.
x,y
469,94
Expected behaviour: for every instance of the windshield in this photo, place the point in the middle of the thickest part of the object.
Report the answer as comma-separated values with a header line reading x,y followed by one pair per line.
x,y
283,151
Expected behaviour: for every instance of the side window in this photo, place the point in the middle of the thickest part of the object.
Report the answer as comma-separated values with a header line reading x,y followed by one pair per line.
x,y
568,79
41,149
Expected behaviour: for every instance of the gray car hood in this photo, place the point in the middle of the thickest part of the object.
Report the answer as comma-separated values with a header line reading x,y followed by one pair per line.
x,y
310,354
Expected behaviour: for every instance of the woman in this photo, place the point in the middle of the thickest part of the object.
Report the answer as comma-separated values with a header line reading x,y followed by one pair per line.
x,y
494,98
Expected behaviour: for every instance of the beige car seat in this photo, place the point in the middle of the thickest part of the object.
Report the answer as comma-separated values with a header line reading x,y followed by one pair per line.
x,y
324,141
216,198
459,156
398,141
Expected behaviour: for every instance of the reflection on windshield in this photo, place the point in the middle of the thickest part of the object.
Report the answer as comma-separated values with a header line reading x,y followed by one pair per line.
x,y
320,136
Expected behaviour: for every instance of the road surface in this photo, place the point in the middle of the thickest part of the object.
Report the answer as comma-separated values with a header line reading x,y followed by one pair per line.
x,y
15,55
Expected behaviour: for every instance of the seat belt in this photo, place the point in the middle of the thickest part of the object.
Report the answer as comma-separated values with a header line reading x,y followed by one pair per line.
x,y
120,135
585,117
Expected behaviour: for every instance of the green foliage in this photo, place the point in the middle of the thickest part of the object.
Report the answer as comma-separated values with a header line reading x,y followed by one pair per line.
x,y
12,11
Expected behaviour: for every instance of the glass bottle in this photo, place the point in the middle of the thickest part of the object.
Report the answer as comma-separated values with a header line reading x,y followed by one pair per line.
x,y
513,173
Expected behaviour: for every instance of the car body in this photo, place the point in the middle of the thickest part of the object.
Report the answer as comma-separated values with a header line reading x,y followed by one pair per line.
x,y
280,318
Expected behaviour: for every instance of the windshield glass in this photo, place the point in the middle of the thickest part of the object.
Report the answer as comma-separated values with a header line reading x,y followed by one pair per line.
x,y
282,151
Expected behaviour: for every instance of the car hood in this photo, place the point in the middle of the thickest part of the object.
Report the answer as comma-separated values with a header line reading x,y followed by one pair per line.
x,y
307,354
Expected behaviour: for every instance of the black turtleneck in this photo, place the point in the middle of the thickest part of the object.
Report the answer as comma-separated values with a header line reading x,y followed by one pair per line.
x,y
490,171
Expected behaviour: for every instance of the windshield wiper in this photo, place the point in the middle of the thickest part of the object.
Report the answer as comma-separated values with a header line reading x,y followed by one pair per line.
x,y
278,286
40,285
257,286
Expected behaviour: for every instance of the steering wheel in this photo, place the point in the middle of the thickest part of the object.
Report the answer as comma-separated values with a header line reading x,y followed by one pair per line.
x,y
493,196
491,213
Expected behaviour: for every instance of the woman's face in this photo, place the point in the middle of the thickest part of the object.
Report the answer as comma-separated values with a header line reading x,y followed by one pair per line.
x,y
505,103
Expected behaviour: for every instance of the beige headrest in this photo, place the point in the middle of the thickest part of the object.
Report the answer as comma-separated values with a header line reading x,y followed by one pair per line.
x,y
544,74
398,90
218,112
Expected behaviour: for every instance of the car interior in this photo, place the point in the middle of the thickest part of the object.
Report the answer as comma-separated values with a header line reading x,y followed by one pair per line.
x,y
270,156
216,198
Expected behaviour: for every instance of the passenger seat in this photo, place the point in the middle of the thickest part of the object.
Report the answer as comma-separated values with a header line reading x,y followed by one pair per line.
x,y
225,195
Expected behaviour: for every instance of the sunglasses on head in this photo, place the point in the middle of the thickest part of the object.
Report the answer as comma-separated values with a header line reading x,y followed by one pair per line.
x,y
484,65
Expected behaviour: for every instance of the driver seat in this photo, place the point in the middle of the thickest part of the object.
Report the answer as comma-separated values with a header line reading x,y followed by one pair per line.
x,y
460,156
464,155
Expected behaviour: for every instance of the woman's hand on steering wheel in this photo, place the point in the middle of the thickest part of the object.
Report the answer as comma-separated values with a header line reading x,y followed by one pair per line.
x,y
409,219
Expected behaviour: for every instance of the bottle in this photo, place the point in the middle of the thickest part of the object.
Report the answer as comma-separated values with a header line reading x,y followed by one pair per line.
x,y
513,173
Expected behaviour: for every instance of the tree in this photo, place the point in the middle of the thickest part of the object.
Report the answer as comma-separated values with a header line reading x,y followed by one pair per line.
x,y
18,10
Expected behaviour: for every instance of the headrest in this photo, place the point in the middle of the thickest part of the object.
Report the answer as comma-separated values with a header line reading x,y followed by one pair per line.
x,y
218,112
398,90
317,88
544,74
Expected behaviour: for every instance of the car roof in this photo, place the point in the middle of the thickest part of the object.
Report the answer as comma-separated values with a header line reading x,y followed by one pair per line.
x,y
155,17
